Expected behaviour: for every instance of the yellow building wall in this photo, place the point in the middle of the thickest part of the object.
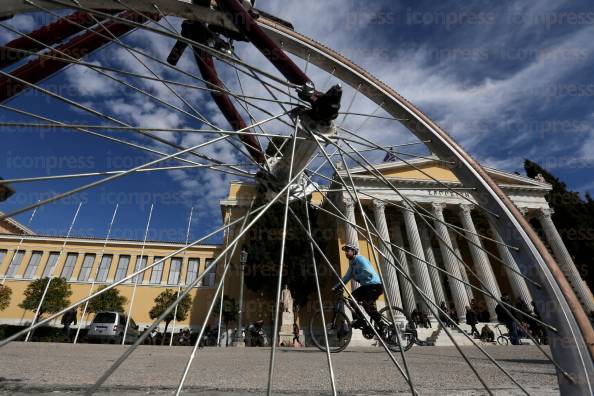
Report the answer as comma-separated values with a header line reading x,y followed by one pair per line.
x,y
145,293
436,171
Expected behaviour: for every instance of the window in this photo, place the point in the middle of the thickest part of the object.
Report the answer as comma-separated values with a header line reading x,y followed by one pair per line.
x,y
33,265
2,255
15,263
104,268
209,277
174,270
157,272
69,265
193,265
52,259
87,266
105,317
122,268
140,263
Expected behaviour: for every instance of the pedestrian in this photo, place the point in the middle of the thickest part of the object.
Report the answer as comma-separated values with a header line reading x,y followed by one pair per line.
x,y
153,335
504,316
453,314
296,333
68,318
443,314
471,320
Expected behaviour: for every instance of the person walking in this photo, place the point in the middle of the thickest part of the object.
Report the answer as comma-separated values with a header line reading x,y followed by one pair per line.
x,y
505,317
472,320
296,333
68,318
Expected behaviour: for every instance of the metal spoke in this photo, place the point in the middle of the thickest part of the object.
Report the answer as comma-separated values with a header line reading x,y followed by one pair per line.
x,y
263,209
51,274
424,173
413,206
17,248
357,305
281,264
386,293
100,257
146,231
243,98
219,54
113,177
179,281
13,124
369,240
77,175
117,41
320,302
131,276
147,149
372,115
212,304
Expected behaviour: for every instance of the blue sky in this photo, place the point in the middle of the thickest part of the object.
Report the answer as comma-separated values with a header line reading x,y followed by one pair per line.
x,y
509,80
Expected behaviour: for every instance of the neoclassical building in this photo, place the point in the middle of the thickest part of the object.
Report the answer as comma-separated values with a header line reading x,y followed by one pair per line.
x,y
469,247
419,243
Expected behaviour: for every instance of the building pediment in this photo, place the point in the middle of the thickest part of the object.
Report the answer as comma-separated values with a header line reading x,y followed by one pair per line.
x,y
427,170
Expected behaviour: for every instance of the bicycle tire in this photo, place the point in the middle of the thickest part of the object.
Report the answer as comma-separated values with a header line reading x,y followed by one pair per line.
x,y
337,343
405,339
502,340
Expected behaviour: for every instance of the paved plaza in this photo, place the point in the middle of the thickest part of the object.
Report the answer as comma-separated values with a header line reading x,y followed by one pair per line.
x,y
43,368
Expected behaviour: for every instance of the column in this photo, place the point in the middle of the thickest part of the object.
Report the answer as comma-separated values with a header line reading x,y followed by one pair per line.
x,y
416,248
480,259
350,230
434,273
408,294
450,262
390,275
518,284
564,259
461,266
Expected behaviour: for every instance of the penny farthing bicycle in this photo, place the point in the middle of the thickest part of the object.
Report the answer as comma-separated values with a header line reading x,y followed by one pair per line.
x,y
290,126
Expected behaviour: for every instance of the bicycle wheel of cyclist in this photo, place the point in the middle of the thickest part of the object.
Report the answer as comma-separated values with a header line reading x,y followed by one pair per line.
x,y
503,340
402,339
338,331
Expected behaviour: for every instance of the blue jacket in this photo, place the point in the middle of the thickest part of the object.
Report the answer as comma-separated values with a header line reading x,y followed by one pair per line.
x,y
362,271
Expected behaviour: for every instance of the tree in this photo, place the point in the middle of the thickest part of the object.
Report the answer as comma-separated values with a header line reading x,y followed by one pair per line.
x,y
5,295
110,300
230,312
573,218
163,301
56,298
263,244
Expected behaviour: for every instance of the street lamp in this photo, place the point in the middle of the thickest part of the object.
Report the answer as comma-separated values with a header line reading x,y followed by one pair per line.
x,y
239,339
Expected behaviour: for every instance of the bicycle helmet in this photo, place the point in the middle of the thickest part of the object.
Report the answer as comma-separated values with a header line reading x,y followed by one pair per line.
x,y
352,247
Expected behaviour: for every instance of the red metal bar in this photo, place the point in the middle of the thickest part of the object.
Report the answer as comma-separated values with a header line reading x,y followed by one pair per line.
x,y
209,73
49,35
246,25
39,69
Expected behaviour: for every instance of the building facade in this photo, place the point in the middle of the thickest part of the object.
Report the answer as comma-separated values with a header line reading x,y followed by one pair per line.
x,y
419,242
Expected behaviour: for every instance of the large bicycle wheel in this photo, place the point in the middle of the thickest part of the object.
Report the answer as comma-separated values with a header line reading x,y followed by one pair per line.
x,y
396,337
282,149
337,331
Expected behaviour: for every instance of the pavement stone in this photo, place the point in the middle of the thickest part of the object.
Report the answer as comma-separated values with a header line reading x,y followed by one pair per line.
x,y
50,369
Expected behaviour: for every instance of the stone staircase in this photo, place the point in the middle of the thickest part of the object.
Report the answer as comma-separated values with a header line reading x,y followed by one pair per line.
x,y
442,339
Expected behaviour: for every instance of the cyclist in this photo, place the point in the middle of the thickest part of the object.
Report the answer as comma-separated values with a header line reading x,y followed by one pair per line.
x,y
361,270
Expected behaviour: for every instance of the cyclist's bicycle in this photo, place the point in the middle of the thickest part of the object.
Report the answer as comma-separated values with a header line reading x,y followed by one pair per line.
x,y
503,338
339,328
